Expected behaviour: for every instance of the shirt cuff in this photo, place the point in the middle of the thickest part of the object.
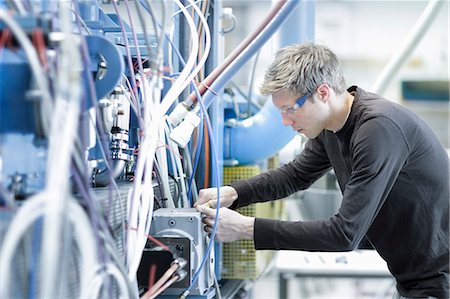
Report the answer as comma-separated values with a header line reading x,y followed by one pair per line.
x,y
264,233
245,194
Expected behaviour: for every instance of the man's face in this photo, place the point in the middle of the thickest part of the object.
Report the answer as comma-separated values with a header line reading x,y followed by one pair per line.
x,y
308,117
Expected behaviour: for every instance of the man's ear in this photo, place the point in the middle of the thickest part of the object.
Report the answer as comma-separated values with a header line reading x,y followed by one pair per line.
x,y
324,92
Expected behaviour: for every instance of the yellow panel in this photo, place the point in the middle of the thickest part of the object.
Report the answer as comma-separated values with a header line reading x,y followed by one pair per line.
x,y
240,260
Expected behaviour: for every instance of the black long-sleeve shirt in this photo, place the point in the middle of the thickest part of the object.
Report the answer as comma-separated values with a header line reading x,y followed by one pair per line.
x,y
394,175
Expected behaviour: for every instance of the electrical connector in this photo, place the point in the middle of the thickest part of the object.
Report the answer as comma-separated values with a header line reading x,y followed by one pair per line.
x,y
184,295
181,262
178,114
181,274
182,134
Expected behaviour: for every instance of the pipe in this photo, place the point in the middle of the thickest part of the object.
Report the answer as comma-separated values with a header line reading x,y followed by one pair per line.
x,y
417,32
248,52
279,7
257,137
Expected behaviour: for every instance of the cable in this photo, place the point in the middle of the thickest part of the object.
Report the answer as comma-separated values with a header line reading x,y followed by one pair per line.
x,y
174,267
198,150
169,282
216,284
216,168
187,74
177,166
215,158
61,145
30,211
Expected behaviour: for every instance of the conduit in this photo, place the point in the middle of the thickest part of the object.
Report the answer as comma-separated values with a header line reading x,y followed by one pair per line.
x,y
257,137
413,39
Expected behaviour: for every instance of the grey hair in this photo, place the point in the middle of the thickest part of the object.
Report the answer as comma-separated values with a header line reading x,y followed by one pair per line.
x,y
302,68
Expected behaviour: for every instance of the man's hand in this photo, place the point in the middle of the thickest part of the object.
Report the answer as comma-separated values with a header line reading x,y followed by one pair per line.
x,y
227,196
232,226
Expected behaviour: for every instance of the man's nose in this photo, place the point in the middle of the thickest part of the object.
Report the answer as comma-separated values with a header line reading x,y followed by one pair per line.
x,y
287,121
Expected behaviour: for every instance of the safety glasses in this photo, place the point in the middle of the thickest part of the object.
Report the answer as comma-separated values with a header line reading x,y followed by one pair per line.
x,y
291,109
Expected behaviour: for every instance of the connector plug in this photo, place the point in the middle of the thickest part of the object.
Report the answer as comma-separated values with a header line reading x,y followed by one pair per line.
x,y
178,114
182,134
181,262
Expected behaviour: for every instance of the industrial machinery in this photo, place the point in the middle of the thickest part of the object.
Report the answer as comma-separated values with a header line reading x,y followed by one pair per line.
x,y
99,101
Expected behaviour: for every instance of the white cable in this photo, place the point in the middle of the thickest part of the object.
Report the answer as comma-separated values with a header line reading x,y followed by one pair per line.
x,y
161,157
141,205
180,111
63,131
177,166
19,6
112,270
34,208
186,75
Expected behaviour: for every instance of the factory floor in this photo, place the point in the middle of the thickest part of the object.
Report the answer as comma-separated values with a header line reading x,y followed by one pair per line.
x,y
323,288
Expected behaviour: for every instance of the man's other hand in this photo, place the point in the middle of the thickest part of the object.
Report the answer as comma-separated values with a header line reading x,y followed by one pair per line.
x,y
231,225
209,196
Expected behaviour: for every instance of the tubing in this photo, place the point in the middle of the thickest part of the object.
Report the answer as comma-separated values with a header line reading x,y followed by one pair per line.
x,y
251,50
253,139
414,37
279,10
244,141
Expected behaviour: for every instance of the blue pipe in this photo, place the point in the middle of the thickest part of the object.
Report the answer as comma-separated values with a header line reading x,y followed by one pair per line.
x,y
263,135
258,137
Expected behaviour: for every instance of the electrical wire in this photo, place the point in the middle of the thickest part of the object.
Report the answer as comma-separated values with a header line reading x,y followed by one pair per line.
x,y
138,51
217,286
140,199
188,72
168,283
216,168
30,211
166,276
61,146
177,166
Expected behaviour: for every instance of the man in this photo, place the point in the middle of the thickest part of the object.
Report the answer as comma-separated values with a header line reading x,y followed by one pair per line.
x,y
392,170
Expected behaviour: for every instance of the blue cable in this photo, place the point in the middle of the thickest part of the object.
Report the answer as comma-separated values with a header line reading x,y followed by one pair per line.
x,y
198,149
